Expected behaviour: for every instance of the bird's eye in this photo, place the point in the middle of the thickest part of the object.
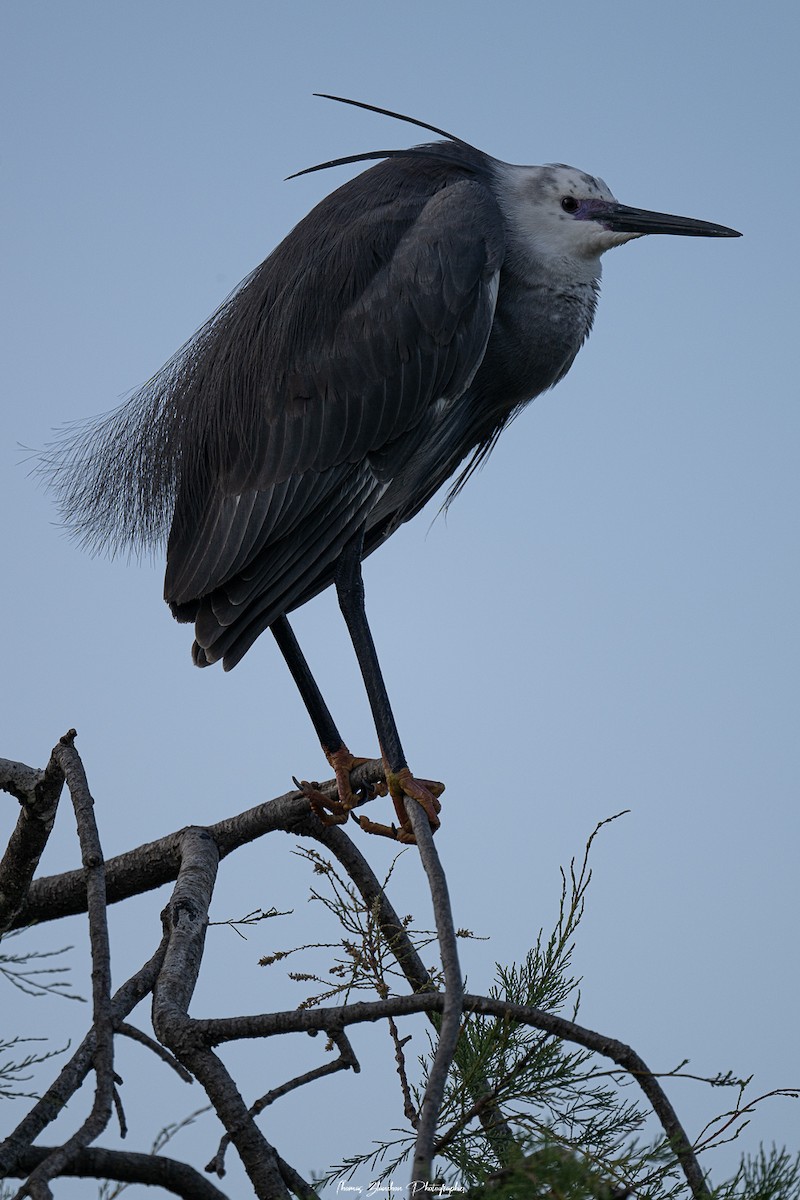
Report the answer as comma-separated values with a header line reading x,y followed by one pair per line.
x,y
570,204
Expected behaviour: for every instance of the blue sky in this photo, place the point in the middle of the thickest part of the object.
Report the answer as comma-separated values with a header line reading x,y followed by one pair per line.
x,y
606,619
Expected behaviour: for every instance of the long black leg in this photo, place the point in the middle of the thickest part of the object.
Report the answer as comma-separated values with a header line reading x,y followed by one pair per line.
x,y
350,590
400,782
326,808
324,724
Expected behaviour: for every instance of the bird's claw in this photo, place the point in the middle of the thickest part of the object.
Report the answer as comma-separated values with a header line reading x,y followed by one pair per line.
x,y
323,806
398,784
404,834
402,784
343,762
329,810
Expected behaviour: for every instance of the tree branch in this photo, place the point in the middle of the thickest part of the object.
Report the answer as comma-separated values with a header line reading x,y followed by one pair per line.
x,y
138,1035
185,923
38,792
155,863
191,857
223,1029
75,1071
103,1054
495,1127
452,1001
151,1170
345,1062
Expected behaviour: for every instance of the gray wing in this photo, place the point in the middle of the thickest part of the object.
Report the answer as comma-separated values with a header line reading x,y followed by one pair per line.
x,y
389,316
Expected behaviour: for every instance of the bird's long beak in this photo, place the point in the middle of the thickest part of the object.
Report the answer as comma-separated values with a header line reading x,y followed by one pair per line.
x,y
621,219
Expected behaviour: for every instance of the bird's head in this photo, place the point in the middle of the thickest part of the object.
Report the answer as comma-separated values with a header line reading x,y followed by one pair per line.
x,y
559,212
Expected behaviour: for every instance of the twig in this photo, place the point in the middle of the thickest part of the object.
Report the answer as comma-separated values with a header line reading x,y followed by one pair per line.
x,y
711,1137
75,1071
375,899
120,1111
409,1108
137,1035
345,1062
19,970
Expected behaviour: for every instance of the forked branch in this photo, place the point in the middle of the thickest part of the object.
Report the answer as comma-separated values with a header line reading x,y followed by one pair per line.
x,y
190,857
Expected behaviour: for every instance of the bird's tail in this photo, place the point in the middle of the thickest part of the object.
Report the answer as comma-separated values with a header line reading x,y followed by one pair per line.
x,y
114,478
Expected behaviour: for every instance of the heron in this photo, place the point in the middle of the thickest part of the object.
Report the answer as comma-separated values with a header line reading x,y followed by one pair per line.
x,y
377,353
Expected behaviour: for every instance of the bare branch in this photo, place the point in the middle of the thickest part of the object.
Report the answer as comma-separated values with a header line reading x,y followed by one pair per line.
x,y
19,779
137,1035
711,1135
38,792
295,1182
345,1062
409,1109
491,1117
213,1032
151,1170
75,1071
453,995
185,923
120,1111
191,857
103,1053
155,863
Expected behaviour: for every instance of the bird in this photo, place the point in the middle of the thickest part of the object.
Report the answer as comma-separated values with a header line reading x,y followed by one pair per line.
x,y
376,354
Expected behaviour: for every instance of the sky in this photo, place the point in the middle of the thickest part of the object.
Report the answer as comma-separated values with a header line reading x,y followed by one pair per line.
x,y
605,620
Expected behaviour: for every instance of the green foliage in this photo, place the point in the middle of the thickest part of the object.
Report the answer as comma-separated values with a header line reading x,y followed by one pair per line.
x,y
525,1114
764,1176
550,1173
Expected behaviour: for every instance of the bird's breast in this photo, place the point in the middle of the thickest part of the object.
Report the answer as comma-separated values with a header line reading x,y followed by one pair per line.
x,y
537,331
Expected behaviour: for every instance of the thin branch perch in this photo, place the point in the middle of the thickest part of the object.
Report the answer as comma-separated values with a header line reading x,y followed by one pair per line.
x,y
452,999
155,863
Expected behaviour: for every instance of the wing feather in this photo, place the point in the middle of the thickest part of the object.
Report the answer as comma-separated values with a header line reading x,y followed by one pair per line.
x,y
384,311
291,572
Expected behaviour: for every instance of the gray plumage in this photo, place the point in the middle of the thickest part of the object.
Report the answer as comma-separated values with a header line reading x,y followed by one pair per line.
x,y
382,346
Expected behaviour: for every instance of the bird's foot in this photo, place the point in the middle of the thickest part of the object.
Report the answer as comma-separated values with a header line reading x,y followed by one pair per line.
x,y
336,812
402,784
